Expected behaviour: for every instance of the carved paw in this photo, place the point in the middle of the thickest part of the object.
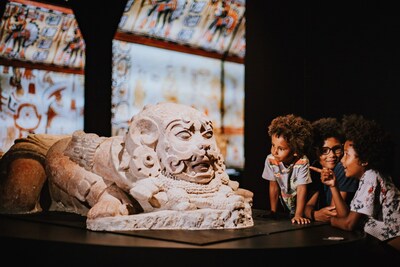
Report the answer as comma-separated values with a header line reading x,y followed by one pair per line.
x,y
178,199
145,189
231,202
108,206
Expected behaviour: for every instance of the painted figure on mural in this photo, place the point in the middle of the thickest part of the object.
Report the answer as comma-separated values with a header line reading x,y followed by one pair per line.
x,y
161,15
225,19
20,33
74,49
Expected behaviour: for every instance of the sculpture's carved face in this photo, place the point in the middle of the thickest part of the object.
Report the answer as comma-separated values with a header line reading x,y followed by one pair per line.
x,y
175,139
188,150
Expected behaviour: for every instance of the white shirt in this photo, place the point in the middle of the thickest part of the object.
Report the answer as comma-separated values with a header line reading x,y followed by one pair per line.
x,y
379,199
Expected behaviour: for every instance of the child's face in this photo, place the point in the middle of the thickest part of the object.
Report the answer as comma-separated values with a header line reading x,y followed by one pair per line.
x,y
330,153
280,149
351,162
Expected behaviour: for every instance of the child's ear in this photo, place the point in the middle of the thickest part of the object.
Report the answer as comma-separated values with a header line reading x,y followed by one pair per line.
x,y
295,154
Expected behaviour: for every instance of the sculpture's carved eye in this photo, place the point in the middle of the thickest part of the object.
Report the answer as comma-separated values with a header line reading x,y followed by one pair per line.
x,y
184,135
208,134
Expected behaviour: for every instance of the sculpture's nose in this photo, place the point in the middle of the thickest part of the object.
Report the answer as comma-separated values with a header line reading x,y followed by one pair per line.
x,y
204,147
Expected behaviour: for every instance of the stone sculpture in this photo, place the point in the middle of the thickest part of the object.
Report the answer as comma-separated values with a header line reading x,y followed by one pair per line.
x,y
166,172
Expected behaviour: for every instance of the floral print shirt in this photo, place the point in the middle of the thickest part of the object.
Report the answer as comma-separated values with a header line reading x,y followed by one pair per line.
x,y
379,199
288,178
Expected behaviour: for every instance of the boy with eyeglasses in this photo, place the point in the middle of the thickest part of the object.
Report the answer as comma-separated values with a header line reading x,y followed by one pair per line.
x,y
327,151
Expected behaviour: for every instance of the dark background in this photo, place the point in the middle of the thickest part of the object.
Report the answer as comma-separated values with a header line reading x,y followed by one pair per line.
x,y
313,59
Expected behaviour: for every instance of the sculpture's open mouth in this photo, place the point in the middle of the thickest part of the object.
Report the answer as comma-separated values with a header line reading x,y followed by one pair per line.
x,y
201,167
199,170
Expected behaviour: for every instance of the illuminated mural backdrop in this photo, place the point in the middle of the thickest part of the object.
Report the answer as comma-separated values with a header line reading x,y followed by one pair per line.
x,y
140,78
209,24
144,74
35,99
31,32
233,118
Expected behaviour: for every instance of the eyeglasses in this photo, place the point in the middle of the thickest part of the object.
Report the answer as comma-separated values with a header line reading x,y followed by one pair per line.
x,y
336,150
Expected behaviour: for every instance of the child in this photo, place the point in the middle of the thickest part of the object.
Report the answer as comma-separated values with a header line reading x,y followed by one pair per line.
x,y
328,142
287,167
376,204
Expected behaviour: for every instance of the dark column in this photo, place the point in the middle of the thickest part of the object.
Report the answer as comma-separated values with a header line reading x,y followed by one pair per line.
x,y
98,23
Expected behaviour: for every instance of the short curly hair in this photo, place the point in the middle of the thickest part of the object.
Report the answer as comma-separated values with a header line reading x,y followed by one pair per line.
x,y
325,128
370,141
296,130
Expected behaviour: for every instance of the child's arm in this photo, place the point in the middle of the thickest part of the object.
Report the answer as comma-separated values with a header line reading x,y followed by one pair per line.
x,y
301,202
323,214
345,219
309,209
273,195
328,177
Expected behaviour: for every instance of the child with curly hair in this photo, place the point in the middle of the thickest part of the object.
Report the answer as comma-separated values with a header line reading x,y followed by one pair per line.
x,y
328,139
287,166
368,154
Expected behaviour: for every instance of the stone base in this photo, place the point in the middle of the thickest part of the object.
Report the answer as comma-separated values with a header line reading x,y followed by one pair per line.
x,y
174,220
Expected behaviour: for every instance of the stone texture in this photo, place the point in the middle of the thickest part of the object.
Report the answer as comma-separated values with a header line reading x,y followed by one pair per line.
x,y
167,172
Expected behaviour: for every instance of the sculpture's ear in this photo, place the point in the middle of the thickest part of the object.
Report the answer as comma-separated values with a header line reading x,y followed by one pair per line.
x,y
144,131
139,158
